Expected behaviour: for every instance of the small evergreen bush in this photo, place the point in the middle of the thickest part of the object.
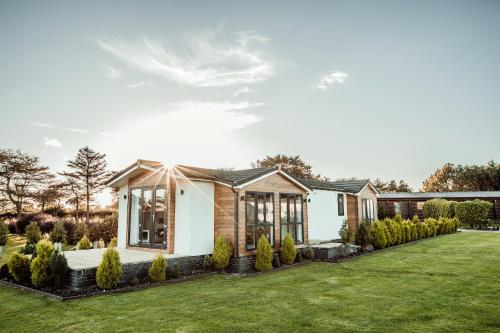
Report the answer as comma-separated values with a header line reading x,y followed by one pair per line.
x,y
40,266
222,253
346,234
436,208
264,255
84,243
58,234
81,230
114,242
362,237
420,230
378,235
109,270
473,212
398,218
158,270
394,238
32,233
415,219
59,269
408,232
288,251
4,230
432,227
414,233
19,267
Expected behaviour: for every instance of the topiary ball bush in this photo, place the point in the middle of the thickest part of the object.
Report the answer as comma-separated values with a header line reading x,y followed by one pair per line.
x,y
288,251
264,255
158,269
222,253
19,267
109,270
40,266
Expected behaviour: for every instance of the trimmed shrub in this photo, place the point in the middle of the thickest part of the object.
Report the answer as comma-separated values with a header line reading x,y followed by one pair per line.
x,y
40,266
378,235
398,218
473,212
84,243
58,234
309,253
346,234
436,208
222,253
432,227
420,230
415,219
452,205
114,242
395,238
157,271
288,251
4,230
109,270
362,237
109,228
19,267
33,234
264,255
402,230
414,233
81,230
408,231
59,269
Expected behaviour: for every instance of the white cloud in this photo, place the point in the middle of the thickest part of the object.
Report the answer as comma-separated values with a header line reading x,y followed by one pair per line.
x,y
243,90
139,84
210,63
112,72
327,80
52,142
109,134
77,130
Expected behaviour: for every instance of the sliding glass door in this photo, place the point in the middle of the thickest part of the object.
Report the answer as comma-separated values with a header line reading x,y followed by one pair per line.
x,y
147,219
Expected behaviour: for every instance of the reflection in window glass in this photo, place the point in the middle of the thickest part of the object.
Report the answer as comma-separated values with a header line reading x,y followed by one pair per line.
x,y
291,217
259,218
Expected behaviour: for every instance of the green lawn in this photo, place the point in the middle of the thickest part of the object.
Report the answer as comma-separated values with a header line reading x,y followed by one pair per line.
x,y
447,284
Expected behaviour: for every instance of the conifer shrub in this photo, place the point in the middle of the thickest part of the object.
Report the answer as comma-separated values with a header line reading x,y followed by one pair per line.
x,y
19,267
378,235
414,234
391,227
415,219
264,255
4,231
408,231
399,230
388,235
81,230
402,231
363,237
109,270
33,233
398,218
420,230
40,266
346,234
59,269
113,242
288,251
158,269
58,233
222,253
84,243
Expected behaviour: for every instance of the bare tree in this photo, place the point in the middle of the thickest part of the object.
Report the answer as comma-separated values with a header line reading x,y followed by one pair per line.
x,y
21,176
89,168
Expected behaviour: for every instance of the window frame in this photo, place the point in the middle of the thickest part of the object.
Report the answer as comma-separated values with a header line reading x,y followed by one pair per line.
x,y
256,223
339,206
288,195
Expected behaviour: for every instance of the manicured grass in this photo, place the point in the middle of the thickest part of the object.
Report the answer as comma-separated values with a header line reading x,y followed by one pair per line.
x,y
447,284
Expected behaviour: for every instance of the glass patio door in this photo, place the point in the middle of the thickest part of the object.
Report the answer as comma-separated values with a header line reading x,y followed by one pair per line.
x,y
147,220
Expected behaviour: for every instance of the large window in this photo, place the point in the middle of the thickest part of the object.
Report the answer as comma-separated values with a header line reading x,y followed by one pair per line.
x,y
259,212
368,210
291,217
340,203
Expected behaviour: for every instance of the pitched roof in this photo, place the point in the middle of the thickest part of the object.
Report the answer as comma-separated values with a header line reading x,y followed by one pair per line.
x,y
139,164
444,195
349,186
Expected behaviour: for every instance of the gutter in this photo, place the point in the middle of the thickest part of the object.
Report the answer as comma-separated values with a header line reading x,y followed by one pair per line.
x,y
235,223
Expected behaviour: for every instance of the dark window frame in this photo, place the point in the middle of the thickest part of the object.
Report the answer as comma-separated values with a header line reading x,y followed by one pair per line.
x,y
256,223
340,204
289,223
153,190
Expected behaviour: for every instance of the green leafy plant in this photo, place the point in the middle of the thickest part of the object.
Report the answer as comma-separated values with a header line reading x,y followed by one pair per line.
x,y
19,267
58,234
408,231
32,233
264,255
363,236
415,219
436,208
288,251
84,243
109,270
4,231
40,266
81,230
394,238
398,218
158,269
59,269
414,233
431,227
474,213
346,234
222,253
378,234
109,228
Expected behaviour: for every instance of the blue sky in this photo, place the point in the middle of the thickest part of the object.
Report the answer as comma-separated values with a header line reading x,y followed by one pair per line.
x,y
389,89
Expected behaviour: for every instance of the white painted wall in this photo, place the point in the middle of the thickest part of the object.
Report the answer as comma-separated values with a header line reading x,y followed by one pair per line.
x,y
122,216
324,222
194,218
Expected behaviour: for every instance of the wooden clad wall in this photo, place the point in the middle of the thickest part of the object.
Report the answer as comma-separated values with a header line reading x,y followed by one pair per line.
x,y
352,212
224,212
276,184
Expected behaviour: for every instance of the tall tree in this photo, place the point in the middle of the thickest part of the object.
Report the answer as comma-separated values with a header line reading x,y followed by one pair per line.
x,y
74,190
89,168
391,186
48,195
21,176
292,164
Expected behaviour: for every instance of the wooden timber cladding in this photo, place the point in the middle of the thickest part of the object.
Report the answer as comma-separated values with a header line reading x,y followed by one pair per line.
x,y
275,184
352,212
224,212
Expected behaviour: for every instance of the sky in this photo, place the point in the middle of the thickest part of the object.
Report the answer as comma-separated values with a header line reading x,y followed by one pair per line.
x,y
366,89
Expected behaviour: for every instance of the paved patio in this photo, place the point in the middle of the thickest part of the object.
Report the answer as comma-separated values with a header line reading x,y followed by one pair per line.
x,y
86,259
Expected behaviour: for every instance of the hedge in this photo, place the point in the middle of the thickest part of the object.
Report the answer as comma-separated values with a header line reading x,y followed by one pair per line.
x,y
473,212
436,208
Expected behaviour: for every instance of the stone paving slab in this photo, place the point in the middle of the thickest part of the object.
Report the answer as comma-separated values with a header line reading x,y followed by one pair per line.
x,y
86,259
